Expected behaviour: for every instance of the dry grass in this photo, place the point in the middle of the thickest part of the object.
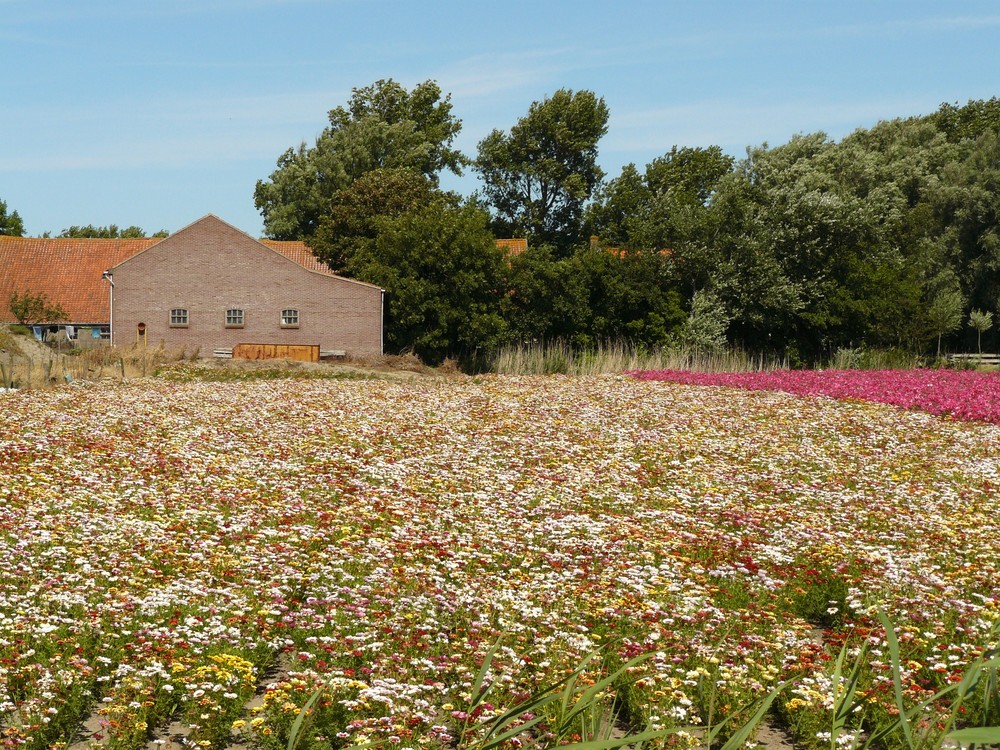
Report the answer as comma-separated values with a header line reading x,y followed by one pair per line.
x,y
8,343
26,363
561,358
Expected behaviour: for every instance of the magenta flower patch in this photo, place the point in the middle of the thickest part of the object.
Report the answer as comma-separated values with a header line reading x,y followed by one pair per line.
x,y
964,394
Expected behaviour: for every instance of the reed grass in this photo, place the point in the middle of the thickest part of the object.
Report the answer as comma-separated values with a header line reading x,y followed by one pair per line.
x,y
21,372
562,358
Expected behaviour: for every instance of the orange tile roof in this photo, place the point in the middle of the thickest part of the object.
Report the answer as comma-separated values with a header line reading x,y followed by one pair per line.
x,y
300,253
514,246
68,270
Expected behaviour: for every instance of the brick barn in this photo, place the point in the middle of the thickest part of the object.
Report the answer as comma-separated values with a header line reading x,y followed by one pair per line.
x,y
208,288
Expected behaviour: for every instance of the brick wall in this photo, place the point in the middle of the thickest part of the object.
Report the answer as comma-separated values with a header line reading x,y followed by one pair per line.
x,y
210,267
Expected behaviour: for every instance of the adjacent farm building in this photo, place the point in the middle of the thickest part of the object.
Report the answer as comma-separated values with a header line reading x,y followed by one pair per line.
x,y
208,288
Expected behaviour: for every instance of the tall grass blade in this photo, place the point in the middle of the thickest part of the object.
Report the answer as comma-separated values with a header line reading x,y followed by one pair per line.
x,y
976,736
741,736
616,742
897,685
589,696
296,731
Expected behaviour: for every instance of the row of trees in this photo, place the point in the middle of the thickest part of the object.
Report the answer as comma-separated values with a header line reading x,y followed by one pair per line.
x,y
13,226
888,238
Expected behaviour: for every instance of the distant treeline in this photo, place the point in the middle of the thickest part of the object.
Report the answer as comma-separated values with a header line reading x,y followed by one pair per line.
x,y
887,239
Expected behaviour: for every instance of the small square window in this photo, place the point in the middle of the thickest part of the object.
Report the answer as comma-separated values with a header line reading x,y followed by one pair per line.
x,y
179,317
234,318
290,318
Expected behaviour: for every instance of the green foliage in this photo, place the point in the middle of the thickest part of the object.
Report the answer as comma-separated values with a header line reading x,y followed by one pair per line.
x,y
688,175
350,226
944,314
884,241
620,209
705,330
10,224
595,295
630,296
982,322
968,121
539,177
443,275
383,126
548,300
28,308
110,232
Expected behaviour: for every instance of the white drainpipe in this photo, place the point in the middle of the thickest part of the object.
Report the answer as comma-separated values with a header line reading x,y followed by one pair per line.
x,y
111,305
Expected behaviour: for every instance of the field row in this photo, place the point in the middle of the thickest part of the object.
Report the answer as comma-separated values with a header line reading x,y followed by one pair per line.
x,y
163,546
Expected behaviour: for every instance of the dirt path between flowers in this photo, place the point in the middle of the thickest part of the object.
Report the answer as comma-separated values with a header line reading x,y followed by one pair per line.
x,y
175,735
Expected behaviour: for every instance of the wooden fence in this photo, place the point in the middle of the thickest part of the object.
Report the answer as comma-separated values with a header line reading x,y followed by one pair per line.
x,y
299,352
976,359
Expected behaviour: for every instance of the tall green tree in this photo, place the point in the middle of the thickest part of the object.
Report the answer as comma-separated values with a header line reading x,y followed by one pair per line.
x,y
10,224
666,208
688,174
351,224
444,277
538,177
383,126
621,210
944,314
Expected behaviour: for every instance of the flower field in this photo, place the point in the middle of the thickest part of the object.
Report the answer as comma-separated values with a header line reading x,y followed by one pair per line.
x,y
962,394
231,557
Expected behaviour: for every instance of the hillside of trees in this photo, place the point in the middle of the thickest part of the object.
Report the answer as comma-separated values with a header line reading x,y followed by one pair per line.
x,y
888,238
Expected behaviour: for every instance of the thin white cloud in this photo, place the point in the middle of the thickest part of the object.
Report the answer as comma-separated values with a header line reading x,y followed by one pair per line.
x,y
486,75
35,12
735,125
931,24
164,132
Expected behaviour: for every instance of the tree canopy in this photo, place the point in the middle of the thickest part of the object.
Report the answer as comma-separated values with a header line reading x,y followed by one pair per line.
x,y
10,224
539,177
30,307
351,223
110,232
383,126
888,238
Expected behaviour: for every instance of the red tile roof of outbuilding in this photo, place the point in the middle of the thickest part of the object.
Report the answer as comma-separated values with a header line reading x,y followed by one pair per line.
x,y
68,270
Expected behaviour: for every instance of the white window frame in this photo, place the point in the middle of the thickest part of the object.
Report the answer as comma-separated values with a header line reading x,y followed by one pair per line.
x,y
235,317
179,317
290,317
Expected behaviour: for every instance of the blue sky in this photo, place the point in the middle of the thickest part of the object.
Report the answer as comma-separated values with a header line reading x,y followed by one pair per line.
x,y
156,112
